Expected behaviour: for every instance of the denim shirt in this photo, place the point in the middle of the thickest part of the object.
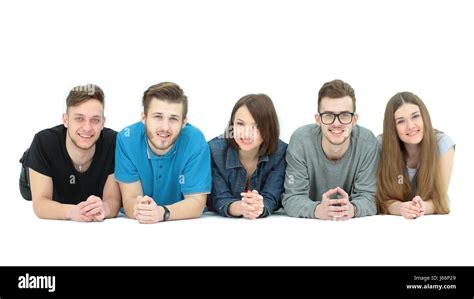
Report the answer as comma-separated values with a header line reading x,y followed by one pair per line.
x,y
229,177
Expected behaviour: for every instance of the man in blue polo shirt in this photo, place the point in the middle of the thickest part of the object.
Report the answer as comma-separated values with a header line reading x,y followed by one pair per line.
x,y
162,162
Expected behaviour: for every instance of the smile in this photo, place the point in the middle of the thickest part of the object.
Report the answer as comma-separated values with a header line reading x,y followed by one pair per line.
x,y
246,141
414,133
337,131
85,136
163,135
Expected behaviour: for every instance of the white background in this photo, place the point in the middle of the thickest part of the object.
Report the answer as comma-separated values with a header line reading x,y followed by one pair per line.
x,y
219,51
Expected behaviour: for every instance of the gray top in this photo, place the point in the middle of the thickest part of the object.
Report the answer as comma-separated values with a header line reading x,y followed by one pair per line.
x,y
309,173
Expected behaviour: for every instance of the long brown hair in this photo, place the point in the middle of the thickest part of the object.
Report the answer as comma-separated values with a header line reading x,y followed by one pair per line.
x,y
392,176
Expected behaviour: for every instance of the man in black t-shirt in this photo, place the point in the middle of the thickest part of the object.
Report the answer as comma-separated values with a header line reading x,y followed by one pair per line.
x,y
71,166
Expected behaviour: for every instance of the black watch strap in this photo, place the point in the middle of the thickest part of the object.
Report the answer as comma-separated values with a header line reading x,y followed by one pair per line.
x,y
166,213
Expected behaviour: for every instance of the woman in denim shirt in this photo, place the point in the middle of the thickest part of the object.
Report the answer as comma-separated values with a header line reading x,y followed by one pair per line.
x,y
248,161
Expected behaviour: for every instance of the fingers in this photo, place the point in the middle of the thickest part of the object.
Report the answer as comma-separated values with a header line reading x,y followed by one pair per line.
x,y
144,199
251,211
338,212
148,207
420,204
76,213
99,216
92,208
146,210
95,211
252,204
145,219
409,216
343,197
343,193
92,199
329,193
83,218
410,210
254,201
147,216
338,208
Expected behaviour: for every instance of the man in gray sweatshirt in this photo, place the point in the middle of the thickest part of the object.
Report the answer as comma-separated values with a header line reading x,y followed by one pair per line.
x,y
331,165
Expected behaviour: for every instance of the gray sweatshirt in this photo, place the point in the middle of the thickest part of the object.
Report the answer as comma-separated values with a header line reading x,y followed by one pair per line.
x,y
309,173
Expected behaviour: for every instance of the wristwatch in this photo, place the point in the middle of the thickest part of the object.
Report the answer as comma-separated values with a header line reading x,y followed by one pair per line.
x,y
166,213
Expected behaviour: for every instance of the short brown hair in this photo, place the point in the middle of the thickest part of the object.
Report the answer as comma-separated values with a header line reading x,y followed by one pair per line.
x,y
262,110
165,91
82,93
336,89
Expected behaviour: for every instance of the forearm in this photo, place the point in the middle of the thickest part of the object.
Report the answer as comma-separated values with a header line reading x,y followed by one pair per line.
x,y
269,206
190,207
394,207
366,205
429,207
235,209
128,205
111,207
226,206
48,209
299,206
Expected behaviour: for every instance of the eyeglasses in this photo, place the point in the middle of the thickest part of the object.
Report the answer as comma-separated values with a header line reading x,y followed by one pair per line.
x,y
344,118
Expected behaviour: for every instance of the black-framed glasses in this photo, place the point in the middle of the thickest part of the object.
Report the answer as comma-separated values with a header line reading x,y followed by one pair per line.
x,y
344,118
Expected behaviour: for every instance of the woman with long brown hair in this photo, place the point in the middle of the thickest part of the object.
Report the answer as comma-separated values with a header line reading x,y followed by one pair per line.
x,y
416,161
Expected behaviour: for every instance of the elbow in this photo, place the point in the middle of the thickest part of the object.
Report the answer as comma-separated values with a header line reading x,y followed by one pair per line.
x,y
129,212
37,209
199,210
112,210
198,213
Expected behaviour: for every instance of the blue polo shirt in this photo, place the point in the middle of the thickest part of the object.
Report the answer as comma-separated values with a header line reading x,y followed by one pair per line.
x,y
184,170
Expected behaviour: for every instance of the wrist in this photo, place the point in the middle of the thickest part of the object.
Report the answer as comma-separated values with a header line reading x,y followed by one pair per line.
x,y
235,209
69,213
165,214
106,209
355,210
316,211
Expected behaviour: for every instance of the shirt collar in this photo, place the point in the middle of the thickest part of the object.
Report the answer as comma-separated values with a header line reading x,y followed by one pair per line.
x,y
233,160
152,156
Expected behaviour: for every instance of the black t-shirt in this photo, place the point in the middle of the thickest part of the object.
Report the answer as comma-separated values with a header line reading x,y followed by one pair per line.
x,y
48,156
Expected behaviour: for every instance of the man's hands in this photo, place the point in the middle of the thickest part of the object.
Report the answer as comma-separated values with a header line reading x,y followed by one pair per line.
x,y
335,209
147,211
92,209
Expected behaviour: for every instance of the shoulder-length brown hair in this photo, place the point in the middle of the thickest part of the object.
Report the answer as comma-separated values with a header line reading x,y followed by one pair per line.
x,y
262,110
392,176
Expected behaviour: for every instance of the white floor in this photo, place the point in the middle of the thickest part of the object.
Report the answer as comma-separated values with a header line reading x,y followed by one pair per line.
x,y
214,240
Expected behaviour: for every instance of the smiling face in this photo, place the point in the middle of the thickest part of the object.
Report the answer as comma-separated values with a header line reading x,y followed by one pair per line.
x,y
336,134
246,132
84,122
163,124
409,124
